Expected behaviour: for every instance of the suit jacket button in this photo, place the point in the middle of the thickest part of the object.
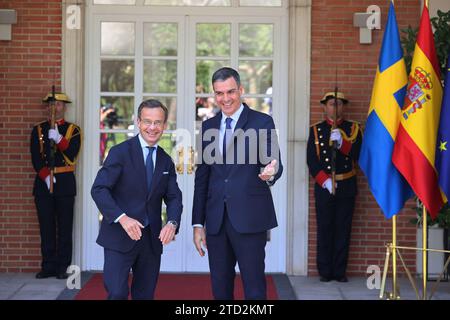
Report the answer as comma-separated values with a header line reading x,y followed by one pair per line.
x,y
226,180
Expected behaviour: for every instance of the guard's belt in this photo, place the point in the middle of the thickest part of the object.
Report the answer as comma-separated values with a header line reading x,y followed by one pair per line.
x,y
344,176
64,169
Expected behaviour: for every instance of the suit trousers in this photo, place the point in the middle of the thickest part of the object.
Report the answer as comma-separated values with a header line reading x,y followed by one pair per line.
x,y
55,215
334,223
143,262
228,246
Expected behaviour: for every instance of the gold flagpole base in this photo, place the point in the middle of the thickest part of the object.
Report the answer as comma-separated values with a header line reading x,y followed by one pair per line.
x,y
390,295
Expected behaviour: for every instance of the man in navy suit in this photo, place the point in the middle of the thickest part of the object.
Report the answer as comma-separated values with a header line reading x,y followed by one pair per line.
x,y
233,207
128,190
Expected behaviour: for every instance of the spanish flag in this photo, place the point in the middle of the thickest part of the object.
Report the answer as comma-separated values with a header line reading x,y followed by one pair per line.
x,y
415,145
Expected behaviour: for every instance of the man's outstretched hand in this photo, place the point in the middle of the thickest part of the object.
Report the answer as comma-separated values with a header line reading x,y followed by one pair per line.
x,y
269,171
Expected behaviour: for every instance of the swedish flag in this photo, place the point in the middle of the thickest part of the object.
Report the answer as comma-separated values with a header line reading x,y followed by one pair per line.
x,y
388,186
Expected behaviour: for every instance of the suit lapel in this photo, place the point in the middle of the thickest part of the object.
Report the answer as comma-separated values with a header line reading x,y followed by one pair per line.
x,y
243,118
137,159
216,121
157,173
215,124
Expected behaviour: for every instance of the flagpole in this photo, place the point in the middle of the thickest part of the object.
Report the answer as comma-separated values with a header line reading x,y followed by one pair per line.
x,y
424,253
394,257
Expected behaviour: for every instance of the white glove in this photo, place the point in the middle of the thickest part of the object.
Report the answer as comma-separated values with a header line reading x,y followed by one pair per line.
x,y
336,136
54,134
328,184
47,181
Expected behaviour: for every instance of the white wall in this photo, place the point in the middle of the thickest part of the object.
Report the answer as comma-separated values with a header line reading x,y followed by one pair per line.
x,y
435,5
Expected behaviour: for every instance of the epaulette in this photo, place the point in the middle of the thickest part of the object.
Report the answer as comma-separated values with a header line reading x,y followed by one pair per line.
x,y
355,129
76,126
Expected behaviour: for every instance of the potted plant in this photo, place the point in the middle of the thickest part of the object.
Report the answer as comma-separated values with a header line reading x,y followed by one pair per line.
x,y
442,220
438,238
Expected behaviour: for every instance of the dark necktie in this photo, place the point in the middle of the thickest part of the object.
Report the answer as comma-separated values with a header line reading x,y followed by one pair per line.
x,y
149,167
226,138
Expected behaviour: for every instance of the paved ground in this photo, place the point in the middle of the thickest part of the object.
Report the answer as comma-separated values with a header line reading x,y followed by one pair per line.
x,y
25,287
310,288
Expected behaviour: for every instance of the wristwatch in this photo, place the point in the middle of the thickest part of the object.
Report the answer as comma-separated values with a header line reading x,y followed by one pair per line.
x,y
174,223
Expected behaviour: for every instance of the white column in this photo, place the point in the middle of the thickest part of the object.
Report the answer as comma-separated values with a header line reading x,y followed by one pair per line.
x,y
299,102
72,84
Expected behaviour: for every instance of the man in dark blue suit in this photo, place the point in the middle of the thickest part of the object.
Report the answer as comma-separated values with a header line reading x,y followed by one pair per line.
x,y
128,190
233,207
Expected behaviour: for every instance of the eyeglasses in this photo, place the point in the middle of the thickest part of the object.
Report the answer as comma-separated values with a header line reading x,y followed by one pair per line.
x,y
231,92
157,123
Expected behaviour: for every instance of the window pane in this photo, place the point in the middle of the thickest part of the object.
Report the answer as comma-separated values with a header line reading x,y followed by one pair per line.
x,y
117,113
117,76
204,72
213,40
167,142
160,76
206,108
171,104
260,3
222,3
109,140
256,76
256,40
260,104
117,38
129,2
160,39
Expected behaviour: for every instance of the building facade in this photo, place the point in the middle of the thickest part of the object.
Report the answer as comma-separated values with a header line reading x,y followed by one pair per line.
x,y
114,53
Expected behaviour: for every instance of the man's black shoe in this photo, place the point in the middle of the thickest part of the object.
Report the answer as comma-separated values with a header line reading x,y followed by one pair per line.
x,y
342,279
44,274
324,279
62,275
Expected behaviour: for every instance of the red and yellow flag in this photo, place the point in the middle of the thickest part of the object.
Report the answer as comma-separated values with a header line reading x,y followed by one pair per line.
x,y
415,145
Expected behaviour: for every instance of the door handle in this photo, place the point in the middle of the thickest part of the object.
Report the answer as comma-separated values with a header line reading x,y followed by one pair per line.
x,y
180,162
191,164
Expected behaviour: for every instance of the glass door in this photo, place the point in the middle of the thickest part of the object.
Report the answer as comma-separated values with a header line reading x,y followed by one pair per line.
x,y
172,58
248,45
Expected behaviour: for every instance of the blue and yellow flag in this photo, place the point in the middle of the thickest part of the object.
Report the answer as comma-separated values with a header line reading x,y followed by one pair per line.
x,y
443,138
388,186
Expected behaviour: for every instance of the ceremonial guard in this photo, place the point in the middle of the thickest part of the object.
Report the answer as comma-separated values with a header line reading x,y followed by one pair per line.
x,y
55,144
332,153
